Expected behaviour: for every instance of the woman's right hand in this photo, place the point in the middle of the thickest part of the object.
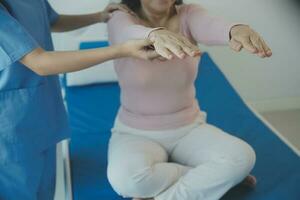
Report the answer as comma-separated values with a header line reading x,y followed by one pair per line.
x,y
167,44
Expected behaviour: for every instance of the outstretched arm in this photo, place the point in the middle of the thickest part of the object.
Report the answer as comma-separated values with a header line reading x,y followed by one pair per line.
x,y
211,30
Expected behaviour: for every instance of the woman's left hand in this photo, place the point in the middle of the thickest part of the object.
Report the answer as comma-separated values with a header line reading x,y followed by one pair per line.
x,y
242,36
105,15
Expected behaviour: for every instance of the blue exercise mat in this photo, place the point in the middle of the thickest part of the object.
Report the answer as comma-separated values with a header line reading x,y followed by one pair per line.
x,y
92,110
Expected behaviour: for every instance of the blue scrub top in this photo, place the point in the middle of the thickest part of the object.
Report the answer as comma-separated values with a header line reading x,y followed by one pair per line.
x,y
32,113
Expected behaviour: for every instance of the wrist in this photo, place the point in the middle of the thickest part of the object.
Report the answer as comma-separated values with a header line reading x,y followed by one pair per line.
x,y
99,17
154,31
234,29
121,50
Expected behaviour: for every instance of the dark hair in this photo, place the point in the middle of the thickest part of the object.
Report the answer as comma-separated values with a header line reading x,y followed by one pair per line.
x,y
135,5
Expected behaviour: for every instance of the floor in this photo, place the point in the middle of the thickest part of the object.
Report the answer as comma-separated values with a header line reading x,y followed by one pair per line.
x,y
286,122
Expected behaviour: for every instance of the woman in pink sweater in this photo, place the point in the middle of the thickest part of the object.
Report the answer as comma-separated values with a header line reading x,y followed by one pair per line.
x,y
161,146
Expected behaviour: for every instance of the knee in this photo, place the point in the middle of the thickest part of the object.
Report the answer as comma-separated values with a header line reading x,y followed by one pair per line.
x,y
244,158
132,181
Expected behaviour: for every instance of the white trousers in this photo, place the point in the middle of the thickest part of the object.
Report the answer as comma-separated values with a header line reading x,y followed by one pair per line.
x,y
195,162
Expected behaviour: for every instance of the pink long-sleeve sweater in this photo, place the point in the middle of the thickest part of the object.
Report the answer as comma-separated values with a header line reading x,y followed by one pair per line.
x,y
160,95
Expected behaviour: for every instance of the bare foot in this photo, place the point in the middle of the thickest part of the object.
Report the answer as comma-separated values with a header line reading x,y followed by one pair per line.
x,y
249,181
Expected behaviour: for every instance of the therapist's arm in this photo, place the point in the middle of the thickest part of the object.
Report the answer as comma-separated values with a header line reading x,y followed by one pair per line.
x,y
72,22
54,62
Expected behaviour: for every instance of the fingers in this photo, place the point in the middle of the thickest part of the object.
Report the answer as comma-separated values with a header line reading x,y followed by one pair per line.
x,y
169,44
181,47
142,49
151,55
266,48
162,59
115,6
255,40
150,52
191,49
235,45
126,9
164,52
188,51
254,45
247,44
175,49
160,47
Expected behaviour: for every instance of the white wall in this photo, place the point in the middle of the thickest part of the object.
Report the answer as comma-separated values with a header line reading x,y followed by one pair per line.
x,y
268,84
71,40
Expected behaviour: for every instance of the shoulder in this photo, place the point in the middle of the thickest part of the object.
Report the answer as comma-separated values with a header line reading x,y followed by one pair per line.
x,y
188,9
120,15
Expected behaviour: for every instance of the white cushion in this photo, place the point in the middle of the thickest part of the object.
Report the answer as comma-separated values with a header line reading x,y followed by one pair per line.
x,y
102,73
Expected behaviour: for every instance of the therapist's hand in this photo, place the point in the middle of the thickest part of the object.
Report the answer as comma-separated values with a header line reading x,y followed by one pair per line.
x,y
242,36
141,49
169,44
105,15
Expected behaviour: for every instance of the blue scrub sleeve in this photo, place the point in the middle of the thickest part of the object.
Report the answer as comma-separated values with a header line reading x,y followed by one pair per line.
x,y
15,41
52,14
